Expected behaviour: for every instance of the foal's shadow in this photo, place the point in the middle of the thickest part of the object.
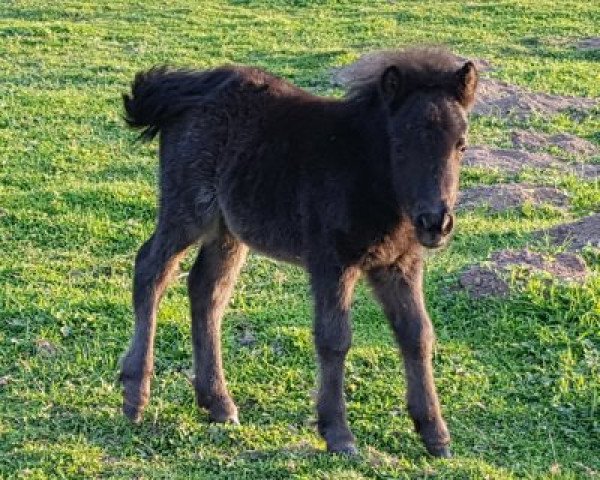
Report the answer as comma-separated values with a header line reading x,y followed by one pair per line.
x,y
108,437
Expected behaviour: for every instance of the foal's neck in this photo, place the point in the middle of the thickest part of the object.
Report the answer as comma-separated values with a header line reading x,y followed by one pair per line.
x,y
370,123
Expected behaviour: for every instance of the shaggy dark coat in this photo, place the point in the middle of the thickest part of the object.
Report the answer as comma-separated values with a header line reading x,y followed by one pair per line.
x,y
343,187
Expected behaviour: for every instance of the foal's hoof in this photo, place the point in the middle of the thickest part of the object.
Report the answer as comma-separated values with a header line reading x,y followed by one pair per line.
x,y
348,449
439,451
132,412
223,411
135,398
231,418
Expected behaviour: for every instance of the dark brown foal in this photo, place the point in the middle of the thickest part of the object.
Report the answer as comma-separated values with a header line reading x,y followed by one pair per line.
x,y
342,187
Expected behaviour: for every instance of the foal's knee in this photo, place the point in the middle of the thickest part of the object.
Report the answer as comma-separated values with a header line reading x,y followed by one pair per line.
x,y
143,252
333,341
417,340
142,270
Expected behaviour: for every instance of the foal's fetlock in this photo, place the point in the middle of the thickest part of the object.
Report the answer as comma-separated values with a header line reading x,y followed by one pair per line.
x,y
343,448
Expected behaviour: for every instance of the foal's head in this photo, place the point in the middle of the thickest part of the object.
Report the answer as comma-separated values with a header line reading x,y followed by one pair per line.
x,y
426,95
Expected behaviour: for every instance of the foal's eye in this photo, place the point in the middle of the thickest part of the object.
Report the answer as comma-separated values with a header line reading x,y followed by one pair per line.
x,y
461,146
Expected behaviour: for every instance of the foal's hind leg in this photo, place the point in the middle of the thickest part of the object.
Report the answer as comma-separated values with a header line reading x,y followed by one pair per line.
x,y
400,292
154,263
210,283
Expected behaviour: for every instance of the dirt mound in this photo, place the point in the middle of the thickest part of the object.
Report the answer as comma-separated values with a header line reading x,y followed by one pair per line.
x,y
514,161
564,266
528,140
508,161
491,279
502,99
481,281
587,171
512,195
572,144
576,235
592,43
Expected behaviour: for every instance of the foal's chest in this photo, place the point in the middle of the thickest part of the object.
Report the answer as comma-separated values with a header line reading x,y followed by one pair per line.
x,y
391,247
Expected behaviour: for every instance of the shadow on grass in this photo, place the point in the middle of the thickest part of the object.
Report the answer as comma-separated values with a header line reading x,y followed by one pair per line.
x,y
157,450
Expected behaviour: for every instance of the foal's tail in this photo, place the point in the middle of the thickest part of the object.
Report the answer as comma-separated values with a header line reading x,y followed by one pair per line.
x,y
161,94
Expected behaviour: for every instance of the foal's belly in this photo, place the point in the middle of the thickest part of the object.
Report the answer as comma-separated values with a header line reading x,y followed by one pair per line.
x,y
263,214
266,237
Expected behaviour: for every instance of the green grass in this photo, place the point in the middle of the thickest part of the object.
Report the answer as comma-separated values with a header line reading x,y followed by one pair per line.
x,y
519,378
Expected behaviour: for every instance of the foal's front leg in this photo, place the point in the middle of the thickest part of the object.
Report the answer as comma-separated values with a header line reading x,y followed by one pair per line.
x,y
399,288
332,290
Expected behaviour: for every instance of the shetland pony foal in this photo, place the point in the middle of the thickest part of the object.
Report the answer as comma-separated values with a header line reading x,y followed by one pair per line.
x,y
343,187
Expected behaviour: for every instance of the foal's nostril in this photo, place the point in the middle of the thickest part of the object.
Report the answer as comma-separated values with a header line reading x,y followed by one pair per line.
x,y
440,223
447,224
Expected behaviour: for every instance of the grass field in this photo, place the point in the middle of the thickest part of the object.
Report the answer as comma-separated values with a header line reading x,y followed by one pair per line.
x,y
519,378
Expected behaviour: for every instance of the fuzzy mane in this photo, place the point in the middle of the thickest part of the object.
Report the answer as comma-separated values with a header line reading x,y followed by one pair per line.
x,y
424,66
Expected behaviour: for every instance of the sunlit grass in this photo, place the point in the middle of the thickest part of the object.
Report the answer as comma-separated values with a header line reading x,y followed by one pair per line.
x,y
518,377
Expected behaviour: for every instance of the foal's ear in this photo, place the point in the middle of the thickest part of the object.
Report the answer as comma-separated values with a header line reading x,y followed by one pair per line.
x,y
393,85
466,84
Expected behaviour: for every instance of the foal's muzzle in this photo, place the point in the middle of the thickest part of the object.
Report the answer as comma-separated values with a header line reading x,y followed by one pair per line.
x,y
433,227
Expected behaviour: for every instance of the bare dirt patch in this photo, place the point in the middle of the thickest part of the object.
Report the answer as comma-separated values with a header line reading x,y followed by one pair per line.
x,y
480,281
587,171
515,161
533,141
491,279
591,43
502,99
564,266
576,235
45,348
498,198
508,161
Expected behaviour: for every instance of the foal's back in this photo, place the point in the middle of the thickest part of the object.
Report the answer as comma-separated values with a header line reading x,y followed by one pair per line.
x,y
257,153
207,120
